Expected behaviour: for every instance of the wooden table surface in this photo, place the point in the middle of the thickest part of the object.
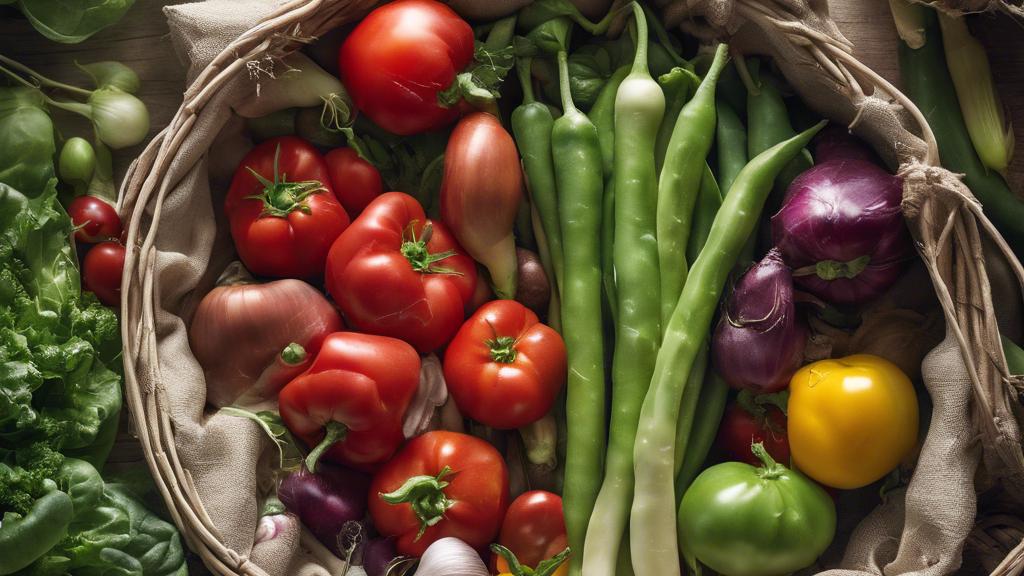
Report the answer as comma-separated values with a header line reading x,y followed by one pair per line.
x,y
141,40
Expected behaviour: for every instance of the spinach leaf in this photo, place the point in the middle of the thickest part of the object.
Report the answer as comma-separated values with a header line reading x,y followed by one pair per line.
x,y
71,21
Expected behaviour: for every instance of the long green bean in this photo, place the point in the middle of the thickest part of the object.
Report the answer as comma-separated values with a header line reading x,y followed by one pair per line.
x,y
639,107
679,181
677,85
577,157
653,519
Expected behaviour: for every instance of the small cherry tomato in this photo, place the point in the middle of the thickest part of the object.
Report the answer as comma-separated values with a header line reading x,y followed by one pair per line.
x,y
533,530
96,220
101,272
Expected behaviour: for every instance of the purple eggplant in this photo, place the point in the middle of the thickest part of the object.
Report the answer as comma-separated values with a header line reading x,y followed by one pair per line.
x,y
378,553
759,343
325,501
842,232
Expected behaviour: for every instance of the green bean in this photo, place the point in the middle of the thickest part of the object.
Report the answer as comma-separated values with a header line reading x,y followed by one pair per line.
x,y
531,125
602,114
927,81
607,251
653,519
639,107
677,85
680,179
767,125
576,152
709,200
713,395
689,403
731,139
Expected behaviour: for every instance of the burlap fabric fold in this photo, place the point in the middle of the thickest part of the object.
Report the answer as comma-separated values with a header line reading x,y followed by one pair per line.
x,y
215,470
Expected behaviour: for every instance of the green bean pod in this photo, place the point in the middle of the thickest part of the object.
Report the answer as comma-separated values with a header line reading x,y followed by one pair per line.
x,y
639,107
531,125
927,81
714,393
677,85
577,158
602,114
688,149
709,200
653,518
768,124
731,139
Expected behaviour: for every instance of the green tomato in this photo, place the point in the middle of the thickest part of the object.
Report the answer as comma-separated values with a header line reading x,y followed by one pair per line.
x,y
745,521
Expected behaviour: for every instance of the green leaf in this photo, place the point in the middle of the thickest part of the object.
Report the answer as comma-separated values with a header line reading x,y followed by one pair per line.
x,y
27,143
71,21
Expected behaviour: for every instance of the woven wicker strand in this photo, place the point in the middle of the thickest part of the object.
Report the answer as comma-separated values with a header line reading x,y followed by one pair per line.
x,y
146,186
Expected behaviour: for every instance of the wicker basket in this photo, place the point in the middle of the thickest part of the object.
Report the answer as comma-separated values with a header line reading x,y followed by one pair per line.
x,y
953,253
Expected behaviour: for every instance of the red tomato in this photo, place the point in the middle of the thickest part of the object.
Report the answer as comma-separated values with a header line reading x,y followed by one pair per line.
x,y
284,224
355,181
96,220
470,499
504,368
397,60
740,429
101,272
534,530
359,384
388,281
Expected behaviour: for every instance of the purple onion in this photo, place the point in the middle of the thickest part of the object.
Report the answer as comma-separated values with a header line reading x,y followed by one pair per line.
x,y
835,142
325,501
378,553
841,230
759,344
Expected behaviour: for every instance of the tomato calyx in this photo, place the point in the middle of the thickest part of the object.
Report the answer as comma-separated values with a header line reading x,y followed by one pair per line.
x,y
502,347
426,496
334,432
479,82
280,197
294,354
545,568
415,251
771,468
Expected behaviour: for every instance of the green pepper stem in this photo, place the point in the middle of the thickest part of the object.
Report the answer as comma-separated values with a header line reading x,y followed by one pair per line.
x,y
426,496
772,469
334,432
523,71
640,58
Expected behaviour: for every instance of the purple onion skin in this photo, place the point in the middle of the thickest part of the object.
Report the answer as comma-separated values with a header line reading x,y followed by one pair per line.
x,y
842,210
326,500
378,554
836,143
759,343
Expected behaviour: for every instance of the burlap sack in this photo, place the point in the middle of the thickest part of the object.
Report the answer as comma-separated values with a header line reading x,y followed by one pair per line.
x,y
960,7
214,470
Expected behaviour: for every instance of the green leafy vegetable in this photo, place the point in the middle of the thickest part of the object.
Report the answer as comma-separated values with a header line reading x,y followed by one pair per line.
x,y
26,140
71,21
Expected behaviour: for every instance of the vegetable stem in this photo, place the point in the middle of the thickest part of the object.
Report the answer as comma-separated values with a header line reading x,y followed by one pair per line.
x,y
43,80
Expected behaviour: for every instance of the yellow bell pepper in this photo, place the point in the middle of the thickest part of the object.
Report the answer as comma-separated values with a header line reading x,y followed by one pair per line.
x,y
852,420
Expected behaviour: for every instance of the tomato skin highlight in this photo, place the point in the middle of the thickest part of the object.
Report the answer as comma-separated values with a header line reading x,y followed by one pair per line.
x,y
101,272
477,489
534,530
851,420
399,57
362,381
740,429
355,181
502,394
378,289
296,245
96,220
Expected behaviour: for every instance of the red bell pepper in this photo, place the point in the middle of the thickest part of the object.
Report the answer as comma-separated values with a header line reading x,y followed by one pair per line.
x,y
440,484
395,273
351,400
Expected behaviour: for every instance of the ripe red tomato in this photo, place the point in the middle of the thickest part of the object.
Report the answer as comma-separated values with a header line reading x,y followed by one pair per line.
x,y
397,60
101,272
534,530
462,487
388,281
96,220
504,368
355,181
284,221
740,429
